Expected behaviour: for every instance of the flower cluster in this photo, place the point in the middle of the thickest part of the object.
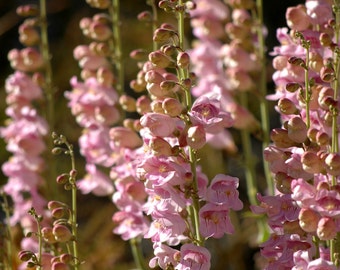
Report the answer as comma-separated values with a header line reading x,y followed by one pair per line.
x,y
25,129
304,157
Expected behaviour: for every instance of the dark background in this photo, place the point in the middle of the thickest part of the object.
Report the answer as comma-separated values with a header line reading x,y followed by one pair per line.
x,y
102,249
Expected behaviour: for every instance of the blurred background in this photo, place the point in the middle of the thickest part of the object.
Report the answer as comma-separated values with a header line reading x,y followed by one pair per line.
x,y
100,248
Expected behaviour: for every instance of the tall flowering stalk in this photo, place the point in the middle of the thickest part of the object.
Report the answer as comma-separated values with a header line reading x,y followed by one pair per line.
x,y
304,155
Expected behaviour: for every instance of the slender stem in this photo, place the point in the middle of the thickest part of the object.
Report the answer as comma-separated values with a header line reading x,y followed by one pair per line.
x,y
137,254
335,243
114,11
183,74
307,89
49,92
74,206
247,151
153,5
263,88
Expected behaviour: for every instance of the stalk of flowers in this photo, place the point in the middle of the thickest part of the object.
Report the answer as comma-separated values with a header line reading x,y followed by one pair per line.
x,y
304,157
94,101
173,129
227,58
25,129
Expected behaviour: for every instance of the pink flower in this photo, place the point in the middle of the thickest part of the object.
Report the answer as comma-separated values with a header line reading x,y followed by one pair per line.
x,y
95,146
130,224
160,125
223,191
21,89
164,256
194,258
125,137
215,220
206,112
166,227
96,182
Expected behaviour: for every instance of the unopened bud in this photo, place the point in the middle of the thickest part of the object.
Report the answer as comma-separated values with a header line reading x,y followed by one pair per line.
x,y
322,138
327,229
124,137
196,137
327,74
311,162
172,107
128,103
280,138
138,54
160,146
308,220
48,235
325,39
183,60
162,35
55,204
62,233
286,106
283,182
28,10
292,87
332,162
145,16
60,266
297,129
58,213
297,61
25,255
62,179
159,59
66,258
143,105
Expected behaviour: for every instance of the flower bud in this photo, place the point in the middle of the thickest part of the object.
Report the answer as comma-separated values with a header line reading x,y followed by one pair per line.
x,y
327,229
153,76
159,124
325,39
27,10
59,212
62,233
297,129
196,137
138,54
322,138
286,106
128,103
315,61
28,35
25,255
105,76
159,59
332,162
172,107
183,60
55,204
156,106
66,258
292,87
62,179
308,220
297,18
162,35
160,146
280,138
283,182
311,134
48,235
143,105
144,16
297,61
327,74
168,85
124,137
311,162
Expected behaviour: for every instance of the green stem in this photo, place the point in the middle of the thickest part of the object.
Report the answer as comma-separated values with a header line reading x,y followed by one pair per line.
x,y
307,89
247,151
138,257
114,11
74,206
154,21
49,92
183,74
335,243
263,88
